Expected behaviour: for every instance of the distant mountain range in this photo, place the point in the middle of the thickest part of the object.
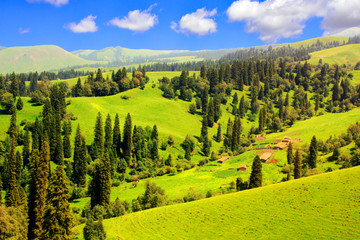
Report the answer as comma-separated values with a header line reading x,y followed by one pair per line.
x,y
50,57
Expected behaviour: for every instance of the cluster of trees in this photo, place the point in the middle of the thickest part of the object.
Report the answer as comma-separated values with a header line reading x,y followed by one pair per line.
x,y
97,85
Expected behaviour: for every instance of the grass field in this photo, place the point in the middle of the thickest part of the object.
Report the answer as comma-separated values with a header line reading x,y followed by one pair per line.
x,y
37,58
348,54
325,206
309,42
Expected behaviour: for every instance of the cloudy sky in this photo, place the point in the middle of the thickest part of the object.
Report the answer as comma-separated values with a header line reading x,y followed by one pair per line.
x,y
171,24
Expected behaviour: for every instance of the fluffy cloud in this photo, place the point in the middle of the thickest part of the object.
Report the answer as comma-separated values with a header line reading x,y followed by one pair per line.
x,y
199,22
276,19
57,3
138,21
85,25
24,31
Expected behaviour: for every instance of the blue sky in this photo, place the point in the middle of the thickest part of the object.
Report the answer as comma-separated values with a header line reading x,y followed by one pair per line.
x,y
166,24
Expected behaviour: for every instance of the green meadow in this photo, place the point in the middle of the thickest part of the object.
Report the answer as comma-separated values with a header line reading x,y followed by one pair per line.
x,y
348,54
324,206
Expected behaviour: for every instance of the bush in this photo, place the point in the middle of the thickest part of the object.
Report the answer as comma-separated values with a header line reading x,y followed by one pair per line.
x,y
94,230
192,195
77,193
192,108
125,97
163,146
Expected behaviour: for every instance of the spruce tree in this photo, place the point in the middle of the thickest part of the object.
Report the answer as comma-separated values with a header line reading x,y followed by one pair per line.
x,y
297,165
290,155
154,134
67,146
204,128
154,151
313,152
108,133
206,148
242,108
57,222
12,129
100,186
218,134
59,150
14,86
235,99
235,140
12,198
204,100
210,114
99,135
117,136
256,173
19,104
228,136
39,171
127,141
217,107
80,156
26,148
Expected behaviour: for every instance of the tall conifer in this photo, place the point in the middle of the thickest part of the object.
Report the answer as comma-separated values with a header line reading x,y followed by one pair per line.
x,y
117,135
127,141
256,173
108,133
297,165
99,135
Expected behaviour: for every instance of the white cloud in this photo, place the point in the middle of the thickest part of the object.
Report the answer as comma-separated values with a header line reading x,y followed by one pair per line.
x,y
276,19
24,31
84,26
199,22
57,3
138,21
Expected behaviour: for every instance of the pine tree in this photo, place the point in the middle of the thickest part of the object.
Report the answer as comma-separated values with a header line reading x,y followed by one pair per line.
x,y
235,99
210,114
57,222
154,134
228,137
297,165
242,108
67,146
117,135
59,150
261,121
79,163
313,152
256,173
108,133
14,86
19,165
12,129
235,140
99,135
19,104
204,100
26,149
290,155
218,134
206,148
127,141
204,128
154,151
12,198
100,186
39,171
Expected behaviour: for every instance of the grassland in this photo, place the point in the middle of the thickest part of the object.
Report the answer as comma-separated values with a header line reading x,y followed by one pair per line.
x,y
309,42
37,58
322,207
348,54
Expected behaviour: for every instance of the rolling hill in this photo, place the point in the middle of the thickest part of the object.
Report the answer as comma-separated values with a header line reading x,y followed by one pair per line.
x,y
348,54
37,58
323,207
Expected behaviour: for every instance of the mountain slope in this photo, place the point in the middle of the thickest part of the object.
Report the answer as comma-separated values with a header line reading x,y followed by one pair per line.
x,y
349,32
37,58
309,42
348,54
324,206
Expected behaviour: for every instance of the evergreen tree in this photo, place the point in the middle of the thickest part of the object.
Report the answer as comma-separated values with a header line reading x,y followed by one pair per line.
x,y
108,133
19,165
228,137
80,156
204,130
19,104
99,135
235,140
210,114
94,230
127,141
99,76
12,129
59,150
297,165
188,145
77,90
261,121
57,222
203,72
336,154
154,134
256,173
26,148
12,198
67,146
117,135
290,155
218,134
204,100
14,86
235,99
242,108
206,148
39,171
154,151
100,186
313,152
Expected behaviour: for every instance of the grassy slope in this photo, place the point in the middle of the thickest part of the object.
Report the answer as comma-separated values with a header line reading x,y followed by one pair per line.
x,y
356,78
322,207
348,54
37,58
309,42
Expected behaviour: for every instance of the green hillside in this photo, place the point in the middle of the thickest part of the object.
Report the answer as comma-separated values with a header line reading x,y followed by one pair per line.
x,y
323,207
348,54
309,42
37,58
